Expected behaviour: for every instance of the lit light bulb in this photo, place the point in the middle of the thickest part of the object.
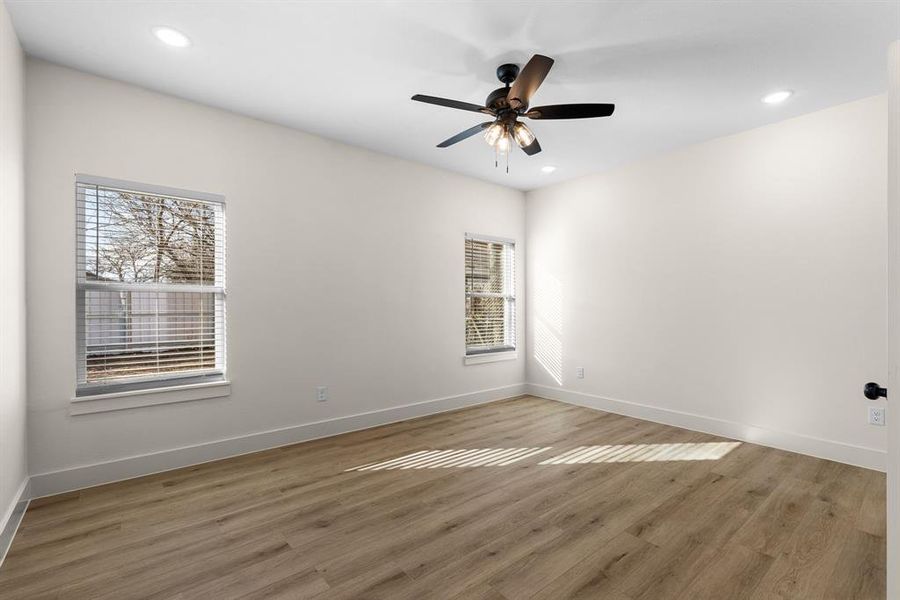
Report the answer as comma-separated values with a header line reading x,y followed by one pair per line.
x,y
503,144
494,133
523,135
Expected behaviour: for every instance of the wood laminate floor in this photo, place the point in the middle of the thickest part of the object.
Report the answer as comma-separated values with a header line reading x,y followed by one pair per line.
x,y
538,501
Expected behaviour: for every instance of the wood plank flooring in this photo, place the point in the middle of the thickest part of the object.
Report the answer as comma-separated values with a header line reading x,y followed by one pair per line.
x,y
641,511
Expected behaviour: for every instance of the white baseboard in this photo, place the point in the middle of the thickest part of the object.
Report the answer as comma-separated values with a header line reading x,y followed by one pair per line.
x,y
75,478
860,456
12,516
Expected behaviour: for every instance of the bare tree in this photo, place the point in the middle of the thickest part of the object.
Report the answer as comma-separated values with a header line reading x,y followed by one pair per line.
x,y
155,239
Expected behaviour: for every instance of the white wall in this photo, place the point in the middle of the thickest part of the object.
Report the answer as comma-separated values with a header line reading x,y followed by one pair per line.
x,y
12,271
345,268
742,280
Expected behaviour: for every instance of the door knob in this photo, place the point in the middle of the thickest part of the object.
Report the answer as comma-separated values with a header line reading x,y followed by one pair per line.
x,y
873,391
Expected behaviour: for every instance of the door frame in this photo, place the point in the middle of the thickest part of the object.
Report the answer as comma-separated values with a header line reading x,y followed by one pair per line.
x,y
893,421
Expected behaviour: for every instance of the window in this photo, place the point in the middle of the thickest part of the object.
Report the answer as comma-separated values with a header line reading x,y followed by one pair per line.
x,y
490,295
150,287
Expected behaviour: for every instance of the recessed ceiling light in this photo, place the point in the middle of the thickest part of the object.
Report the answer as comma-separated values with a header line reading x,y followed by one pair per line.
x,y
171,37
548,169
777,97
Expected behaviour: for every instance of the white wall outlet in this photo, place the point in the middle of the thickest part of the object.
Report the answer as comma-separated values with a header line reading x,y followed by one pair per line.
x,y
322,393
876,415
579,372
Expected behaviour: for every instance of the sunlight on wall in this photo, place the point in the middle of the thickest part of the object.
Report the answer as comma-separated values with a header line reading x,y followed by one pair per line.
x,y
548,351
442,459
548,299
643,453
547,338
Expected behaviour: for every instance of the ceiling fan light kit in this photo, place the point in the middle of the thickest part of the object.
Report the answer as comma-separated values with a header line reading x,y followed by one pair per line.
x,y
507,104
524,136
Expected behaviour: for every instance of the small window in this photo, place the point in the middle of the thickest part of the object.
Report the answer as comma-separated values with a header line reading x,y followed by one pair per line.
x,y
490,295
150,287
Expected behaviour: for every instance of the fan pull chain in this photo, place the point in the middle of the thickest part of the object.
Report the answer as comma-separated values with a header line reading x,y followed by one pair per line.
x,y
508,152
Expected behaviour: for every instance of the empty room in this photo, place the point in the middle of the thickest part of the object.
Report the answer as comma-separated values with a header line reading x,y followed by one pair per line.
x,y
449,300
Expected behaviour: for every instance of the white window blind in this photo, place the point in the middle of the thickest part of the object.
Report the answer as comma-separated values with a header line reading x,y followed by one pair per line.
x,y
490,295
150,286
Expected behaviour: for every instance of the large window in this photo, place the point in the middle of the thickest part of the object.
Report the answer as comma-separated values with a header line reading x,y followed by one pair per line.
x,y
490,295
150,286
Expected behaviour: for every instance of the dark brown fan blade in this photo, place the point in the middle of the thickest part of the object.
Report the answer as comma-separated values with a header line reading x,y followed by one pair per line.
x,y
529,80
571,111
452,104
464,134
532,148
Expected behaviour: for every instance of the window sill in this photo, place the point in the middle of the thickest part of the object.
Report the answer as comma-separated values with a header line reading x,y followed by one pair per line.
x,y
86,405
487,357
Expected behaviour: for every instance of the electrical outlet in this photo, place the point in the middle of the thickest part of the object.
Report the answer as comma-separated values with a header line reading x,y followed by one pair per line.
x,y
876,415
579,372
322,393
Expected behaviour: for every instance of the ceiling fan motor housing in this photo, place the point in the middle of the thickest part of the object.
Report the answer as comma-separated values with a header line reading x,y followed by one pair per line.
x,y
497,99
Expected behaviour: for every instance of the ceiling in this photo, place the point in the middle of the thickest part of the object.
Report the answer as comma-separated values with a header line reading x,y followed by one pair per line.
x,y
678,72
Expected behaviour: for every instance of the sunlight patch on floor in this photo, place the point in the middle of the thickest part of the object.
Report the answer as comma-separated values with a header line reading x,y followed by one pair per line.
x,y
442,459
643,453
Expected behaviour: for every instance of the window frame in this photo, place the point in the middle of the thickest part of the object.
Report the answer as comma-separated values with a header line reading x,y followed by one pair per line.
x,y
188,385
508,349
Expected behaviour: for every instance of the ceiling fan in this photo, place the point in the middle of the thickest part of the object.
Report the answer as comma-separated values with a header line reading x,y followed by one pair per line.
x,y
509,103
